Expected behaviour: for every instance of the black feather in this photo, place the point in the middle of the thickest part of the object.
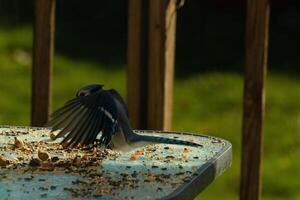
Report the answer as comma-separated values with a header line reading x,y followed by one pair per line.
x,y
164,140
83,118
96,111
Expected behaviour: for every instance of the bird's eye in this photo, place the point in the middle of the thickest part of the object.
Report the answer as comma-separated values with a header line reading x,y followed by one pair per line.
x,y
83,94
88,90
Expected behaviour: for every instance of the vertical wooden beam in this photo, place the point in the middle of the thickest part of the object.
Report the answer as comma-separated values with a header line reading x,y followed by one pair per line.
x,y
150,71
137,63
43,48
162,28
254,97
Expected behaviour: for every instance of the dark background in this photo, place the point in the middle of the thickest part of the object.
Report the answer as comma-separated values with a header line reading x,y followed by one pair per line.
x,y
210,34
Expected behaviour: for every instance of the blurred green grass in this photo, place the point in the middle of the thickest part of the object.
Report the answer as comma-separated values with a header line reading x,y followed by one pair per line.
x,y
209,103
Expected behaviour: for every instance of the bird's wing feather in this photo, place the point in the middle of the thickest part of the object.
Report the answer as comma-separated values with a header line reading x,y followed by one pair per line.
x,y
81,119
119,98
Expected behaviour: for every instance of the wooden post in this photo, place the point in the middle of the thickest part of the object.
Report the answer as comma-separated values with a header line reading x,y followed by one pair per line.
x,y
43,48
162,28
137,61
254,97
151,64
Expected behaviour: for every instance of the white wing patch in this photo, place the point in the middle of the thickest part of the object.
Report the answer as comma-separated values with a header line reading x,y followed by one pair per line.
x,y
107,114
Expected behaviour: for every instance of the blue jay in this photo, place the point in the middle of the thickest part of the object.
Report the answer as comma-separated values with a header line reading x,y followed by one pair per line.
x,y
95,111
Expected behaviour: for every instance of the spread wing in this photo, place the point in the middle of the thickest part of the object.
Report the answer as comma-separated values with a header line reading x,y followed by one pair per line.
x,y
81,119
118,97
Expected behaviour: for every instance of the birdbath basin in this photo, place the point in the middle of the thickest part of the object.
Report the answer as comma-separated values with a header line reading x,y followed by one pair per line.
x,y
153,172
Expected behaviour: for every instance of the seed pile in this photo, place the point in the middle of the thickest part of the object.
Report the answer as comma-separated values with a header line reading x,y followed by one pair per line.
x,y
46,155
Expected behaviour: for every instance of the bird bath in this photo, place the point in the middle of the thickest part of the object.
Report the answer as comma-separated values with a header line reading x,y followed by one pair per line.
x,y
153,172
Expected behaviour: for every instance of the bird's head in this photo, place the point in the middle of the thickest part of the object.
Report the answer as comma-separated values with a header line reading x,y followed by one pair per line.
x,y
89,89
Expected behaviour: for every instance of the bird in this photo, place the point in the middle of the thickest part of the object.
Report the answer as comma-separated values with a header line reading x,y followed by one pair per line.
x,y
98,115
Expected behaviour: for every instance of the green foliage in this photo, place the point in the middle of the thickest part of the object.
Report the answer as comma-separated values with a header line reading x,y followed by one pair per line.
x,y
211,104
208,103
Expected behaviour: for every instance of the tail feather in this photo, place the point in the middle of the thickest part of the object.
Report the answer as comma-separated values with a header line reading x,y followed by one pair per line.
x,y
154,139
136,139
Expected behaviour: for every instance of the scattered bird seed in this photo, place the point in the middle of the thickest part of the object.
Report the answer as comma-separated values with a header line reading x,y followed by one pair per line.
x,y
3,161
18,143
52,187
54,159
35,162
43,155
